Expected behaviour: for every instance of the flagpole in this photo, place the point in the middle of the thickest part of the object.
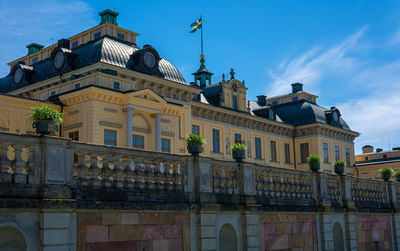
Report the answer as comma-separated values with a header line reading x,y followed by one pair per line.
x,y
201,17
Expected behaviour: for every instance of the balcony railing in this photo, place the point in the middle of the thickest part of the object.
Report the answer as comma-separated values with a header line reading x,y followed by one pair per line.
x,y
51,168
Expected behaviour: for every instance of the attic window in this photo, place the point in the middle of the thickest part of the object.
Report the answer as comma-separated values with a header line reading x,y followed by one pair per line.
x,y
121,36
274,102
271,115
97,35
34,60
295,98
116,85
53,93
77,86
309,99
74,44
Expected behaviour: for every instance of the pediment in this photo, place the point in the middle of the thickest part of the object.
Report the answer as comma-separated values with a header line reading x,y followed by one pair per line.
x,y
148,94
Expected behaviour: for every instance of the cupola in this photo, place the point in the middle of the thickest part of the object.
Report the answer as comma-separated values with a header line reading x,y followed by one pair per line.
x,y
34,47
297,87
108,16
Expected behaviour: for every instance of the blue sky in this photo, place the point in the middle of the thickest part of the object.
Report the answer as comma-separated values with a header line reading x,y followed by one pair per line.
x,y
346,52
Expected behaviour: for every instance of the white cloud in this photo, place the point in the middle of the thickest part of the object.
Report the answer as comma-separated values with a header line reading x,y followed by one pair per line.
x,y
312,65
370,87
24,22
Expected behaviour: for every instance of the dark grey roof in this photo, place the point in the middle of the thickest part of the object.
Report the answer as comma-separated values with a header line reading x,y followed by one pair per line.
x,y
303,112
378,161
213,93
107,50
298,113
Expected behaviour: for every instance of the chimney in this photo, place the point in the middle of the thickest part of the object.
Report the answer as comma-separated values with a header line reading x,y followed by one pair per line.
x,y
396,149
63,43
33,47
367,149
262,100
378,150
297,87
108,16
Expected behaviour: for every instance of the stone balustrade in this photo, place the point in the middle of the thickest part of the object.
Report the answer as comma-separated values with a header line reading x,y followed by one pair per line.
x,y
58,168
103,167
276,184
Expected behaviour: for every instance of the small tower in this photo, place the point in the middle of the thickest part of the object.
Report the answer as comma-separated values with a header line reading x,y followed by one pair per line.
x,y
108,16
202,76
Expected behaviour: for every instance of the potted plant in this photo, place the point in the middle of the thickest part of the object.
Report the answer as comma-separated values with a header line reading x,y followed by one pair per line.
x,y
194,144
386,173
45,119
314,162
339,167
238,151
397,175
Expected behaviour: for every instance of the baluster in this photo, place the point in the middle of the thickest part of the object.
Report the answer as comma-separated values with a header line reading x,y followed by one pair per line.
x,y
84,174
18,165
129,173
30,164
151,174
106,172
117,172
170,176
95,172
5,163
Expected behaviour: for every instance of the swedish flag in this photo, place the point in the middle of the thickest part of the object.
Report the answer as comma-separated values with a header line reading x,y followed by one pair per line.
x,y
195,26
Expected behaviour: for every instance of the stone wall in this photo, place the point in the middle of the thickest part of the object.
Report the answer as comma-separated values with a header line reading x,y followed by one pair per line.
x,y
373,232
288,231
99,231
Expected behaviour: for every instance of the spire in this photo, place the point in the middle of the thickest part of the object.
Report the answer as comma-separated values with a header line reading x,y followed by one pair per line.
x,y
202,76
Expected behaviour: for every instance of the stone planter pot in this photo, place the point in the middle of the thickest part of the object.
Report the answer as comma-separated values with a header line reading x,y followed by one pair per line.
x,y
314,167
195,149
45,127
385,176
239,155
339,170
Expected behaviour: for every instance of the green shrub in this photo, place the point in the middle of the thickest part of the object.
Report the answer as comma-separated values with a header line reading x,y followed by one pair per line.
x,y
194,139
313,159
238,146
339,163
396,174
386,173
45,112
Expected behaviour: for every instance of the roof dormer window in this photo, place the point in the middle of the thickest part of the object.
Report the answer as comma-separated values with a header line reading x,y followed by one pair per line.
x,y
97,35
121,36
271,114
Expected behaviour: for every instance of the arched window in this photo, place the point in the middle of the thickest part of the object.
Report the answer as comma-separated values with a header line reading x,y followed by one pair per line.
x,y
11,239
338,242
227,238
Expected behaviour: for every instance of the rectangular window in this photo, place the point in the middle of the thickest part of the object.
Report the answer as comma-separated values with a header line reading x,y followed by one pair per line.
x,y
348,157
257,142
53,93
34,60
304,152
74,44
273,151
110,137
77,86
295,98
216,144
116,85
287,153
238,138
121,36
74,135
196,129
234,102
137,142
326,152
97,35
337,153
165,145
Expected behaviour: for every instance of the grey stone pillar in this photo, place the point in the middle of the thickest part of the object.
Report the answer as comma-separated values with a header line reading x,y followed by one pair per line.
x,y
129,127
58,231
158,132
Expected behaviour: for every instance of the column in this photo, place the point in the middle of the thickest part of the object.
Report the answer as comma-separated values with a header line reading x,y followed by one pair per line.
x,y
158,132
129,127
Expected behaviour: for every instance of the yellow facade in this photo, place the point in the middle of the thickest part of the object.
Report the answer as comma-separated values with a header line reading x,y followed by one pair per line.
x,y
369,163
93,107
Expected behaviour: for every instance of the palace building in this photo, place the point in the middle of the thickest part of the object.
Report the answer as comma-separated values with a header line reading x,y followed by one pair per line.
x,y
114,92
